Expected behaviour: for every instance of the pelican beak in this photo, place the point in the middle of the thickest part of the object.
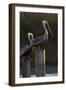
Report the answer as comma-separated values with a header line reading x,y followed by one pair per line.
x,y
46,27
50,30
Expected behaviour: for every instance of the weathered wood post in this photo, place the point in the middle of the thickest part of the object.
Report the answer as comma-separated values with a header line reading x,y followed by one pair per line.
x,y
26,72
39,61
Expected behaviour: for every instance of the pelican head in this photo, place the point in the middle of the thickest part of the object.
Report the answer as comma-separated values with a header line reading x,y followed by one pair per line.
x,y
46,27
44,22
30,37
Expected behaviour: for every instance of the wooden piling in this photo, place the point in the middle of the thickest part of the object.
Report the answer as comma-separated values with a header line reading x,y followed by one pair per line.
x,y
39,62
26,67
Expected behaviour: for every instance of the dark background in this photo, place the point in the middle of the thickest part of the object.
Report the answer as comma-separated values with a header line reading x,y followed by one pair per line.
x,y
32,22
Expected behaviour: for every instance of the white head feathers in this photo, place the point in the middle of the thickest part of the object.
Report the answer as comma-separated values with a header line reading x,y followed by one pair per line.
x,y
30,37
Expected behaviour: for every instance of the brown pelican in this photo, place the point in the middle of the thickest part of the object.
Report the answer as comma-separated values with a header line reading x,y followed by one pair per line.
x,y
34,42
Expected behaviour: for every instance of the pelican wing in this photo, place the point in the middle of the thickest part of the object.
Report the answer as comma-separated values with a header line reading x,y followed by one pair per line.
x,y
39,40
25,49
35,42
